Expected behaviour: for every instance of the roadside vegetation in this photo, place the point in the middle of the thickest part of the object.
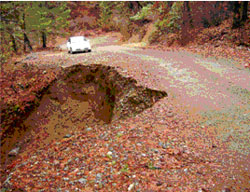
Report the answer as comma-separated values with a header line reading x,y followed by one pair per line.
x,y
29,25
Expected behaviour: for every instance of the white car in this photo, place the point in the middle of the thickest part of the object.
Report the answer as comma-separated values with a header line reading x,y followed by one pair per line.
x,y
78,44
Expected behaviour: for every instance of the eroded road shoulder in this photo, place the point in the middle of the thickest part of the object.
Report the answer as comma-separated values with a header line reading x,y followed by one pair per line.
x,y
215,92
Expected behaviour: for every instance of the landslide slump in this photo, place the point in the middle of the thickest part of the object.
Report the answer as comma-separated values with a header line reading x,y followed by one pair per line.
x,y
81,97
106,93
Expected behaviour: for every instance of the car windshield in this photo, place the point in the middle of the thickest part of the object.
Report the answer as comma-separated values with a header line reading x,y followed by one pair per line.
x,y
77,39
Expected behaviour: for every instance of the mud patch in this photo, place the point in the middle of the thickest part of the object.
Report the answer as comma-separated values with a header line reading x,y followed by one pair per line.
x,y
80,98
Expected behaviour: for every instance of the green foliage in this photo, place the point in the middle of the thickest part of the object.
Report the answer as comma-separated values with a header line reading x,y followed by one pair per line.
x,y
47,17
151,165
172,21
10,27
106,12
115,16
16,108
31,18
125,168
143,14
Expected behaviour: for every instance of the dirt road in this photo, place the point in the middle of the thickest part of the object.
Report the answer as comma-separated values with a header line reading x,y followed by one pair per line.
x,y
217,90
215,93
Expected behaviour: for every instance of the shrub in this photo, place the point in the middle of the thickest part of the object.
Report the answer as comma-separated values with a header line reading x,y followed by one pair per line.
x,y
143,14
171,23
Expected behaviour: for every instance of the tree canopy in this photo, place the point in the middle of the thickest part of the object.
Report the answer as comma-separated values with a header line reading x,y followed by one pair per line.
x,y
20,20
28,24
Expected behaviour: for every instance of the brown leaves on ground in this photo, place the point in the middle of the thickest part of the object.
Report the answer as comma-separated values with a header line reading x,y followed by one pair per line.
x,y
217,41
150,152
136,154
21,85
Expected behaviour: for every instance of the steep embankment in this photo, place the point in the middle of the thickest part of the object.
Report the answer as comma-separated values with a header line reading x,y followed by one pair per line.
x,y
217,41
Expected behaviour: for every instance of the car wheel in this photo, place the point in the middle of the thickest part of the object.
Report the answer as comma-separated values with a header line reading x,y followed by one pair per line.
x,y
89,50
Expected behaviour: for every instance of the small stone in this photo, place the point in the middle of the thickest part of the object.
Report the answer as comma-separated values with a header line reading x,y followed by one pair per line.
x,y
164,146
79,173
99,176
109,153
14,152
66,179
131,186
44,72
66,169
226,190
214,146
82,181
69,161
67,136
67,149
89,129
111,148
155,150
159,183
169,114
20,85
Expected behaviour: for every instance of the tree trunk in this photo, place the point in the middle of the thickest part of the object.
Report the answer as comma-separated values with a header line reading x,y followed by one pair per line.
x,y
187,14
244,16
135,6
236,17
230,5
25,37
27,41
170,3
186,23
13,43
44,38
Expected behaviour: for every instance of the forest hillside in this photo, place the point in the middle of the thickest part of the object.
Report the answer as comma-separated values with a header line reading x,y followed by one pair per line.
x,y
26,26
